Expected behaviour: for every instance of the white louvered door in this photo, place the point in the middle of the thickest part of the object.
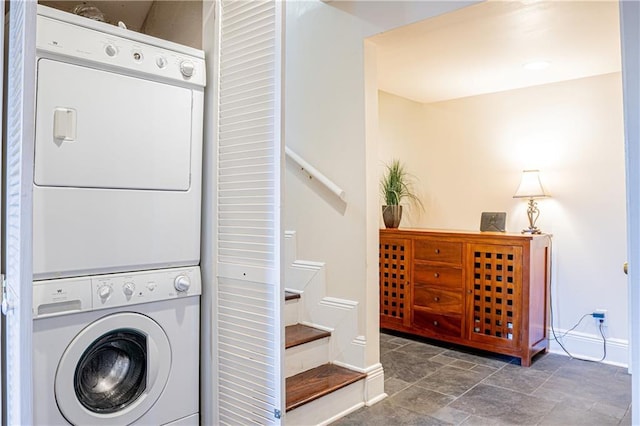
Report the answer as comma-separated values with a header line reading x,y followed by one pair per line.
x,y
2,200
17,393
249,345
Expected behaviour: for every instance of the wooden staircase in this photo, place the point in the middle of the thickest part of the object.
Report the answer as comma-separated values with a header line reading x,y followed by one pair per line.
x,y
313,382
299,334
318,382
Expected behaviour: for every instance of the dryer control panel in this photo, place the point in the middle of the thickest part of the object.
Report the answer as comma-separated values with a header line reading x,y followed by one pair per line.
x,y
107,45
72,295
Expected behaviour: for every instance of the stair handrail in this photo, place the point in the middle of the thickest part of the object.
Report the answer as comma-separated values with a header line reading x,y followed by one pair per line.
x,y
314,173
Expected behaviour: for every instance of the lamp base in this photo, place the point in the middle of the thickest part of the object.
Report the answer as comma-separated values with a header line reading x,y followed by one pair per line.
x,y
531,231
532,214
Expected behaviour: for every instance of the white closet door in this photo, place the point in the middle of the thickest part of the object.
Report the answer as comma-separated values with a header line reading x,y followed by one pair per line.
x,y
19,170
249,343
630,38
2,200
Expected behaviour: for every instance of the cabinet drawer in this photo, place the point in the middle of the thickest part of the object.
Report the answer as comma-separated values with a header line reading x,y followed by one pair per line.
x,y
438,251
437,299
449,325
437,275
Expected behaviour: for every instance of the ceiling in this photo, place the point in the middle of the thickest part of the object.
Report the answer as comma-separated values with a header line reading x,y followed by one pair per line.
x,y
482,48
132,13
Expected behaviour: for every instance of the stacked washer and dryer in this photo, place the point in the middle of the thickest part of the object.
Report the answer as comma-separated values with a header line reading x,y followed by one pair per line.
x,y
116,225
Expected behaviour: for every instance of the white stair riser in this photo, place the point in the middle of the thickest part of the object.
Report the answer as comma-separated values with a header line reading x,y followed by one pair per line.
x,y
291,312
329,408
305,357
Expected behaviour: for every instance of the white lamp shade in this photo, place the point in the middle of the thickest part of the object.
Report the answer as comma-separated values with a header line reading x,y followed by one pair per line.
x,y
530,185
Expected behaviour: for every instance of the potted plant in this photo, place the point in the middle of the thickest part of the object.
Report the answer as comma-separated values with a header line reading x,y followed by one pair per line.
x,y
395,185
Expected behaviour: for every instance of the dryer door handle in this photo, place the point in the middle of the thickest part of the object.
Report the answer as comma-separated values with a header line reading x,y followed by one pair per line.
x,y
64,124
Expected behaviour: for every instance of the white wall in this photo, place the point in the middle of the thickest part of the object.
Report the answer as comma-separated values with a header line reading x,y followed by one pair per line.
x,y
468,154
325,101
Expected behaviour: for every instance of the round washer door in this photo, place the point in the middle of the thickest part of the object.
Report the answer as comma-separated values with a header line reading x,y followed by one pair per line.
x,y
113,371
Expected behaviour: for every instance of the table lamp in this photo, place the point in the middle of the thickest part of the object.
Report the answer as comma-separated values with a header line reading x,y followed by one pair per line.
x,y
531,188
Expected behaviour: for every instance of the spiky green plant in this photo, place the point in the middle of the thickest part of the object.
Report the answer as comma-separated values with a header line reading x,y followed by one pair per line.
x,y
396,184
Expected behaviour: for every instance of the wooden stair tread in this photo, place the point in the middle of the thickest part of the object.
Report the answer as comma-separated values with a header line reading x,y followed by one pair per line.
x,y
299,334
290,295
318,382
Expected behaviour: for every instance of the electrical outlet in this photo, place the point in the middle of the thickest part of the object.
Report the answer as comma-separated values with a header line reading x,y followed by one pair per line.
x,y
600,317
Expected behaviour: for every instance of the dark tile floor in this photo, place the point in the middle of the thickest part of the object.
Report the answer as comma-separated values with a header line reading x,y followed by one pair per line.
x,y
428,384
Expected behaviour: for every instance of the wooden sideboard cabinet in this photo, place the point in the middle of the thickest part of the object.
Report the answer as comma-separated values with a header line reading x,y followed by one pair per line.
x,y
486,290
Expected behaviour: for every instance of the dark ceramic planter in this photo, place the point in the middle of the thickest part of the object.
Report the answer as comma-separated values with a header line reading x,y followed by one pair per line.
x,y
391,216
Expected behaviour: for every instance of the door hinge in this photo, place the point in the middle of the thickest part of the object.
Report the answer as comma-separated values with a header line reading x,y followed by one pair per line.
x,y
5,300
276,413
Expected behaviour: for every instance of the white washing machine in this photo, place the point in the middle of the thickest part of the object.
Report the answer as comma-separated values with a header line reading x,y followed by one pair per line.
x,y
117,179
117,349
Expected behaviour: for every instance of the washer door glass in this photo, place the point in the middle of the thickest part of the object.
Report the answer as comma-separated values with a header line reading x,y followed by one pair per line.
x,y
111,373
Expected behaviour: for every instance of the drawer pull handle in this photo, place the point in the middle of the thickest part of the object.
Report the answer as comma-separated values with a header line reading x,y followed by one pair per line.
x,y
437,275
437,251
435,323
437,299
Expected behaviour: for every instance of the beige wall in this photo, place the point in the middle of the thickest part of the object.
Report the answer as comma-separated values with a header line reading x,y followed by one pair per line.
x,y
330,121
177,21
468,155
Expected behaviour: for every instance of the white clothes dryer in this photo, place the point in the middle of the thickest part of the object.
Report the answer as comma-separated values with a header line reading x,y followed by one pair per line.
x,y
118,149
117,349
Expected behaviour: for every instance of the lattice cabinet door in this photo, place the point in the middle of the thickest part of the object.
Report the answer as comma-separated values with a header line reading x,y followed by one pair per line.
x,y
495,290
395,256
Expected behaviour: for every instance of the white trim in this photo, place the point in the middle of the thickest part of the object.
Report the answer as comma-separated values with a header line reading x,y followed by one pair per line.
x,y
256,274
374,385
308,264
318,326
372,369
2,200
349,366
334,302
589,346
20,125
208,373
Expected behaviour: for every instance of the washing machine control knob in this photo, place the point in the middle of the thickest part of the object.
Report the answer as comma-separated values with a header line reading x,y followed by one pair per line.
x,y
187,68
161,61
104,291
128,288
111,50
182,283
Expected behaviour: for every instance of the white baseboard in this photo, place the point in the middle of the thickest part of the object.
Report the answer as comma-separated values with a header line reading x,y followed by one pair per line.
x,y
590,346
374,385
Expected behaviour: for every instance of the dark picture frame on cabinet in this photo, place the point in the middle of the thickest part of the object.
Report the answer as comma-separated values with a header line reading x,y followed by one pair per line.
x,y
493,221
